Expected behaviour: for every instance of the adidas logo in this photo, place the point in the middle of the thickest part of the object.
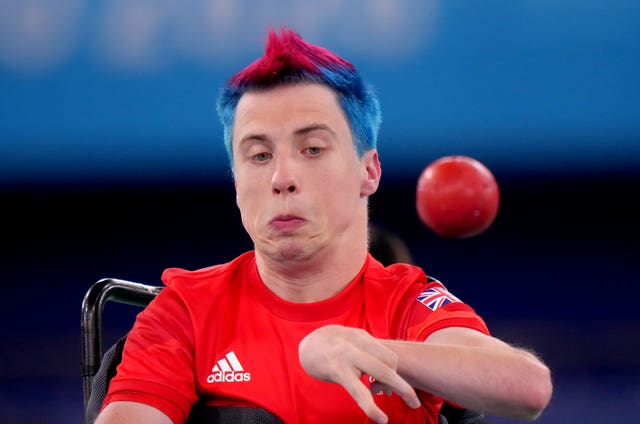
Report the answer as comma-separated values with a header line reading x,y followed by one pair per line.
x,y
228,369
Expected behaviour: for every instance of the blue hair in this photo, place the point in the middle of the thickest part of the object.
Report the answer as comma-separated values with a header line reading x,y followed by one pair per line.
x,y
290,60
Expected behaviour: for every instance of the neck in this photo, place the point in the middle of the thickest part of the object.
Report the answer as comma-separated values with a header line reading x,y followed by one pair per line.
x,y
313,279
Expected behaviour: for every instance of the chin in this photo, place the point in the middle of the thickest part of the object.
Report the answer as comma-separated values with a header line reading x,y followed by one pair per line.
x,y
292,253
291,250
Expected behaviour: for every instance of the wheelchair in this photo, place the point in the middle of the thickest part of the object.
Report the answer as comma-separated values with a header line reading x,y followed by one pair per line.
x,y
99,366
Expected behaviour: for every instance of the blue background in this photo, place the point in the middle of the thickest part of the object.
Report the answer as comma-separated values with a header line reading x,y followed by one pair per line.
x,y
112,165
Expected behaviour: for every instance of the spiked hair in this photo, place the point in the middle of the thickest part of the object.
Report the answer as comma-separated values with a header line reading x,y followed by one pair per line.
x,y
288,59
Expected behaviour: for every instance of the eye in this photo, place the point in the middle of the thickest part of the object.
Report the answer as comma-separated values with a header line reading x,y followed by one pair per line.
x,y
261,157
314,151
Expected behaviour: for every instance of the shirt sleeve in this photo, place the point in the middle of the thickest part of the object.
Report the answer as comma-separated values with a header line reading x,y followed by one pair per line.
x,y
157,365
436,308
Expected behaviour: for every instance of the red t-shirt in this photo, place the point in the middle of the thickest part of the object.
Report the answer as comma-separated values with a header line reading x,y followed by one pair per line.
x,y
221,334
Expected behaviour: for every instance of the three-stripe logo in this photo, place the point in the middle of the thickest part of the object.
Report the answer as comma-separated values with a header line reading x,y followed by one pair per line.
x,y
228,369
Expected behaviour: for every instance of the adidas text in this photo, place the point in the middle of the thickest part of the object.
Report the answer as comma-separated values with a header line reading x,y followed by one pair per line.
x,y
229,370
228,377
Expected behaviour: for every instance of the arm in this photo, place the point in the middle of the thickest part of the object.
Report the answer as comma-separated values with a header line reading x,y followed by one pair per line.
x,y
476,371
131,412
461,365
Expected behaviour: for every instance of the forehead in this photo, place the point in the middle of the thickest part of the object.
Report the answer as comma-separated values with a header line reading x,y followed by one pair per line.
x,y
289,104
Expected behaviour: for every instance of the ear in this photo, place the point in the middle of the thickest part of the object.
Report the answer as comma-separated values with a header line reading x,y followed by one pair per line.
x,y
372,173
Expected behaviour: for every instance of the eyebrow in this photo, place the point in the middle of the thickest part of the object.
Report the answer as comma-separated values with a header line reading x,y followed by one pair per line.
x,y
314,127
258,137
252,138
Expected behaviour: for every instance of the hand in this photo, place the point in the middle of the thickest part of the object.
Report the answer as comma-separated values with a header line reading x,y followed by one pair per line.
x,y
341,355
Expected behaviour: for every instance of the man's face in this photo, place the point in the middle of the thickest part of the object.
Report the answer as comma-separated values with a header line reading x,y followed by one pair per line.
x,y
299,182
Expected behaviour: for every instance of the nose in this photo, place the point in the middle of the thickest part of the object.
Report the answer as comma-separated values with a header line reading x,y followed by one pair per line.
x,y
284,180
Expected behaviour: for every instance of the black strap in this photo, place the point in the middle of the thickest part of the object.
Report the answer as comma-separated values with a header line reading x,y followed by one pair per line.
x,y
203,414
460,416
101,380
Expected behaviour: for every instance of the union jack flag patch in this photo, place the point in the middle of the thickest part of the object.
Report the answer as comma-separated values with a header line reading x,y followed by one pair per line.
x,y
435,297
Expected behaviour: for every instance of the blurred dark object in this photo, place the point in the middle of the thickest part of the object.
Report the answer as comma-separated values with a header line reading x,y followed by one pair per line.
x,y
387,247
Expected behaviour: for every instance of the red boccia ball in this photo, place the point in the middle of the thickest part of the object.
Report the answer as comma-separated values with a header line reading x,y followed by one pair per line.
x,y
457,197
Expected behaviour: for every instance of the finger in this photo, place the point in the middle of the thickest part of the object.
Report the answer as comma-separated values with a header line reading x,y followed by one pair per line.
x,y
380,388
389,379
398,385
363,397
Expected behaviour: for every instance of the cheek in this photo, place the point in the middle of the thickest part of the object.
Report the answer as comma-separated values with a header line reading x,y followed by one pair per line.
x,y
243,198
245,189
250,201
248,212
340,196
245,201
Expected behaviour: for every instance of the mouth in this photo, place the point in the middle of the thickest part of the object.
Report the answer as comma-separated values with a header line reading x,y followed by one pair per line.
x,y
286,223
